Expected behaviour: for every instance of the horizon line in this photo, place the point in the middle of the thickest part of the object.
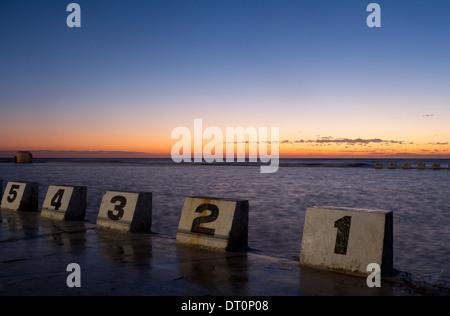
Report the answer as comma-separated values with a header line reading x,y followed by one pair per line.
x,y
115,154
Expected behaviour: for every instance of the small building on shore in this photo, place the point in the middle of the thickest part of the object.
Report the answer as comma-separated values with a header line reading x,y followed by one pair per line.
x,y
23,157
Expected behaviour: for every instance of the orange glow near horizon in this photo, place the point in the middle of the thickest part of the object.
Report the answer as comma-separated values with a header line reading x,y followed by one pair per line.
x,y
159,145
152,138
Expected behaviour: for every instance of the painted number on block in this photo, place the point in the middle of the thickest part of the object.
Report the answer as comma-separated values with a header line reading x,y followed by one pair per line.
x,y
342,235
13,193
196,228
117,208
56,200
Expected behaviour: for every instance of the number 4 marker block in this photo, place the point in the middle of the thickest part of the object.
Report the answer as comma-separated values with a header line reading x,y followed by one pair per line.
x,y
214,223
347,240
65,203
126,211
20,196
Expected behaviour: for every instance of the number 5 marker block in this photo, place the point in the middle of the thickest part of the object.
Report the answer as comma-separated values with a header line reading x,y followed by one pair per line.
x,y
214,223
20,196
65,203
347,240
126,211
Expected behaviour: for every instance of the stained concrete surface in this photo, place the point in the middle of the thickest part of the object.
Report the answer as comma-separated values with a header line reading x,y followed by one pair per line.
x,y
35,252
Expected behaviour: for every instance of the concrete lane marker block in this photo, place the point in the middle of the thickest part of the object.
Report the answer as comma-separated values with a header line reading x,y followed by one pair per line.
x,y
421,165
392,165
126,211
347,240
20,196
219,224
65,203
436,166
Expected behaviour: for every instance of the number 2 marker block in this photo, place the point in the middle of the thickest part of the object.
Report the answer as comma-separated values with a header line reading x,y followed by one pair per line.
x,y
65,203
214,223
347,240
20,196
126,211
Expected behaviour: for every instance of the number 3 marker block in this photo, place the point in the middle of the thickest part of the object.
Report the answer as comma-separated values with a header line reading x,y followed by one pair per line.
x,y
126,211
347,240
214,223
21,196
65,203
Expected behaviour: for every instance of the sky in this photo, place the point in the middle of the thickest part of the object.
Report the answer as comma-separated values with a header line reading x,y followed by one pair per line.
x,y
135,70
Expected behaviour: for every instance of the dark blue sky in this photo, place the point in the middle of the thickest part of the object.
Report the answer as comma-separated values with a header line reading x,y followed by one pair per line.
x,y
215,39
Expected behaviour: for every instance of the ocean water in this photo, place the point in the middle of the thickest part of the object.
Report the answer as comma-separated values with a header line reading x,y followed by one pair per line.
x,y
419,199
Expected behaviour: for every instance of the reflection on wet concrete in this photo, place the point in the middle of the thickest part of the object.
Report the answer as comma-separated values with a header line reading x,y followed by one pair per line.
x,y
35,252
65,236
318,283
218,272
19,224
118,247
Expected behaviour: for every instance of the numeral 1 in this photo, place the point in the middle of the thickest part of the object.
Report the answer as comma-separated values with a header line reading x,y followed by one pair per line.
x,y
342,235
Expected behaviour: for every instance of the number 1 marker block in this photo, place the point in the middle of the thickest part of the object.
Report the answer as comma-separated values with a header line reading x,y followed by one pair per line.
x,y
126,211
347,240
214,223
65,203
20,196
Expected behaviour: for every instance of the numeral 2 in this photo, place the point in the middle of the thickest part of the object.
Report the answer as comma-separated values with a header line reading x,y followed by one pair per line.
x,y
342,235
196,228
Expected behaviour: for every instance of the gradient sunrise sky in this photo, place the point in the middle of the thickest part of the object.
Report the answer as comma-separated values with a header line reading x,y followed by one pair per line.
x,y
135,70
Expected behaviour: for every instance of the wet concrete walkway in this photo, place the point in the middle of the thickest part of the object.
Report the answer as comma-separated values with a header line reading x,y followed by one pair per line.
x,y
35,253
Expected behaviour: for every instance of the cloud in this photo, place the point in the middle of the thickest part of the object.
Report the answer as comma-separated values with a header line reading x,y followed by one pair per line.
x,y
438,143
425,154
347,141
